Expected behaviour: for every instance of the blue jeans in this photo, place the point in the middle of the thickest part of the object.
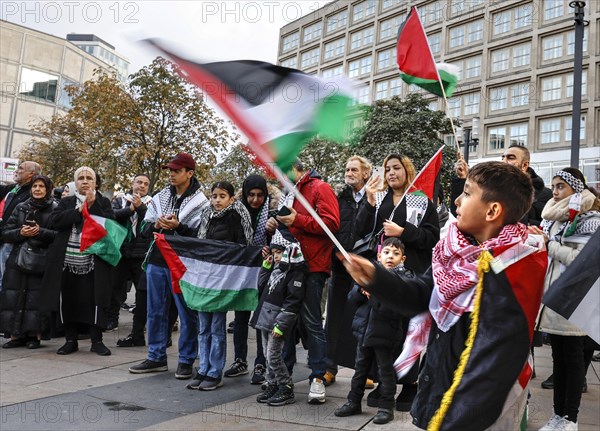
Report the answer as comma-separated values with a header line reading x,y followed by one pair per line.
x,y
212,346
160,293
313,323
5,250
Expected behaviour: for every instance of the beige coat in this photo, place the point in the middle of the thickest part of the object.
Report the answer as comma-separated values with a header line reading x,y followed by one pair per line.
x,y
561,254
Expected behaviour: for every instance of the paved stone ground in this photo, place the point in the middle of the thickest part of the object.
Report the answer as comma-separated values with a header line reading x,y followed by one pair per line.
x,y
40,390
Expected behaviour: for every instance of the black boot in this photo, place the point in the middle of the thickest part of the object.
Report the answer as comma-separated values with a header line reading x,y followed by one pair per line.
x,y
349,409
549,382
69,347
99,348
383,416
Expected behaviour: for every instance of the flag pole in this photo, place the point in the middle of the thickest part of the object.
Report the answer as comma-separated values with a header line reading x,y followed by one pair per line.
x,y
437,72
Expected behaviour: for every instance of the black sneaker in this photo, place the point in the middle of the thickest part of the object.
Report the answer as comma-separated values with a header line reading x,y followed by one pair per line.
x,y
267,393
383,416
350,408
210,383
283,396
100,349
131,341
68,348
149,366
238,368
258,375
549,382
196,380
113,324
184,371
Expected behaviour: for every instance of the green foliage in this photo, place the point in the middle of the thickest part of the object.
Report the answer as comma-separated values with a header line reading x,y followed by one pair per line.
x,y
121,130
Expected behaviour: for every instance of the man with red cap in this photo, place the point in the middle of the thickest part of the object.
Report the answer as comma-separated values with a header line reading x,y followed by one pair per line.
x,y
175,210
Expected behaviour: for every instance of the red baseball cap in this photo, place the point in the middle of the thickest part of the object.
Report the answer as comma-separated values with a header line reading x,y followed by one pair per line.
x,y
181,160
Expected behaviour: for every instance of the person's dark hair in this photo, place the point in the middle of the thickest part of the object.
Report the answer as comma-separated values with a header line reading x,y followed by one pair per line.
x,y
395,242
142,175
223,185
98,181
524,150
504,183
47,183
299,165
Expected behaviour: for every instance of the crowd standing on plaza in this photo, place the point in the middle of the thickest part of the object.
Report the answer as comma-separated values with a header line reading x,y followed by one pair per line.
x,y
419,279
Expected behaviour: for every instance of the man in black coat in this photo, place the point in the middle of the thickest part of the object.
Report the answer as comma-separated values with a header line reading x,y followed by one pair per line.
x,y
130,210
12,195
340,343
519,157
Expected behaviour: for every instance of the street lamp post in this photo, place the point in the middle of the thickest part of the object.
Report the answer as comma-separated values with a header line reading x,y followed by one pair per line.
x,y
580,23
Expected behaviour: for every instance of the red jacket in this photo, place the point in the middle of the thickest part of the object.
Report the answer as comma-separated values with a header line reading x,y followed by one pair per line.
x,y
316,245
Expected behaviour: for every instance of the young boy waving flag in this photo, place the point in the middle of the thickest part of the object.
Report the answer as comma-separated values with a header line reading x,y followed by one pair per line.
x,y
483,291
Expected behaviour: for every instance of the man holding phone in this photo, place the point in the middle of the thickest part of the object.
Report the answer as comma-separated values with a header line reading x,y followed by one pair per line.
x,y
175,210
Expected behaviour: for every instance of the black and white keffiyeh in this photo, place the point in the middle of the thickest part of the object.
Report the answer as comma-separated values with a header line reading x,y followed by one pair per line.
x,y
189,212
210,213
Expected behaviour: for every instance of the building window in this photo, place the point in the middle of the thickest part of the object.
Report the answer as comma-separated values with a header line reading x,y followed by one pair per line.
x,y
552,47
569,81
568,121
497,138
333,72
362,38
561,87
334,49
521,55
290,41
312,32
571,41
389,27
337,22
64,100
390,3
500,60
520,94
553,9
363,10
434,12
498,98
512,19
473,67
396,87
458,7
38,85
551,88
471,104
310,58
435,42
457,36
386,59
550,131
363,94
475,31
518,134
381,90
466,34
362,66
454,107
291,62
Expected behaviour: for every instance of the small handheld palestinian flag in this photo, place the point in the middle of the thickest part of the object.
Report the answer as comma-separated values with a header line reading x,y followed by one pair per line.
x,y
102,236
213,276
416,62
426,178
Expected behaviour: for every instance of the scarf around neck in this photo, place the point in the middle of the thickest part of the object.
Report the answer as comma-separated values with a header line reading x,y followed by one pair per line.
x,y
210,213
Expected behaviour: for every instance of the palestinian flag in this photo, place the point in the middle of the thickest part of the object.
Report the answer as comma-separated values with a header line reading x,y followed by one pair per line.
x,y
416,62
576,293
279,109
212,275
426,178
102,237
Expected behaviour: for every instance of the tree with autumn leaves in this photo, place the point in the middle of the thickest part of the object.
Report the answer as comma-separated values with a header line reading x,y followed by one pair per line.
x,y
124,129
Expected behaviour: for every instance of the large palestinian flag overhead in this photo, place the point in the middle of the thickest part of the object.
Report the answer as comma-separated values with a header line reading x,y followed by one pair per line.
x,y
576,293
277,108
416,62
212,275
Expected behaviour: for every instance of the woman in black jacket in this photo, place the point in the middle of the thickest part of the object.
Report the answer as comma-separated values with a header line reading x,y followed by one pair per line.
x,y
28,226
78,284
414,221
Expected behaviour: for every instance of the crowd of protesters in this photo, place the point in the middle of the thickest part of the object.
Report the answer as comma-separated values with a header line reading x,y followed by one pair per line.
x,y
48,287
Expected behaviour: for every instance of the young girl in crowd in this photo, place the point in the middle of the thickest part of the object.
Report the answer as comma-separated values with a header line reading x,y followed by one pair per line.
x,y
226,219
379,334
569,220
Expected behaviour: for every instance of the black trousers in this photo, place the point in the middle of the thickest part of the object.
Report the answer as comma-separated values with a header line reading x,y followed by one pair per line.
x,y
128,270
72,332
569,373
338,288
384,359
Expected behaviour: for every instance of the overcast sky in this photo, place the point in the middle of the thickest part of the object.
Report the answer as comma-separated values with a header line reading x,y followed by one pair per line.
x,y
204,30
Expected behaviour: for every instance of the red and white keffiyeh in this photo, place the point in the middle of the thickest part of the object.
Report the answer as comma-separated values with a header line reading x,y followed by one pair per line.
x,y
454,263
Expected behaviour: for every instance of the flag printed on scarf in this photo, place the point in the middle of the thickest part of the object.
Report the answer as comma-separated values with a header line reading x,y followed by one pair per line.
x,y
416,62
279,109
576,293
102,236
213,276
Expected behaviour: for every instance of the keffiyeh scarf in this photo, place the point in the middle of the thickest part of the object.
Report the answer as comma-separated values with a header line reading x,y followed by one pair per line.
x,y
75,261
210,213
576,228
260,233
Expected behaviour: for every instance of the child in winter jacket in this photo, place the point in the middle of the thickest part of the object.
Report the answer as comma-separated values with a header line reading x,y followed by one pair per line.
x,y
378,331
280,304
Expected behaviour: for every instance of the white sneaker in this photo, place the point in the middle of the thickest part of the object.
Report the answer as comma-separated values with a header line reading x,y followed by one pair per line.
x,y
552,424
567,425
316,395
